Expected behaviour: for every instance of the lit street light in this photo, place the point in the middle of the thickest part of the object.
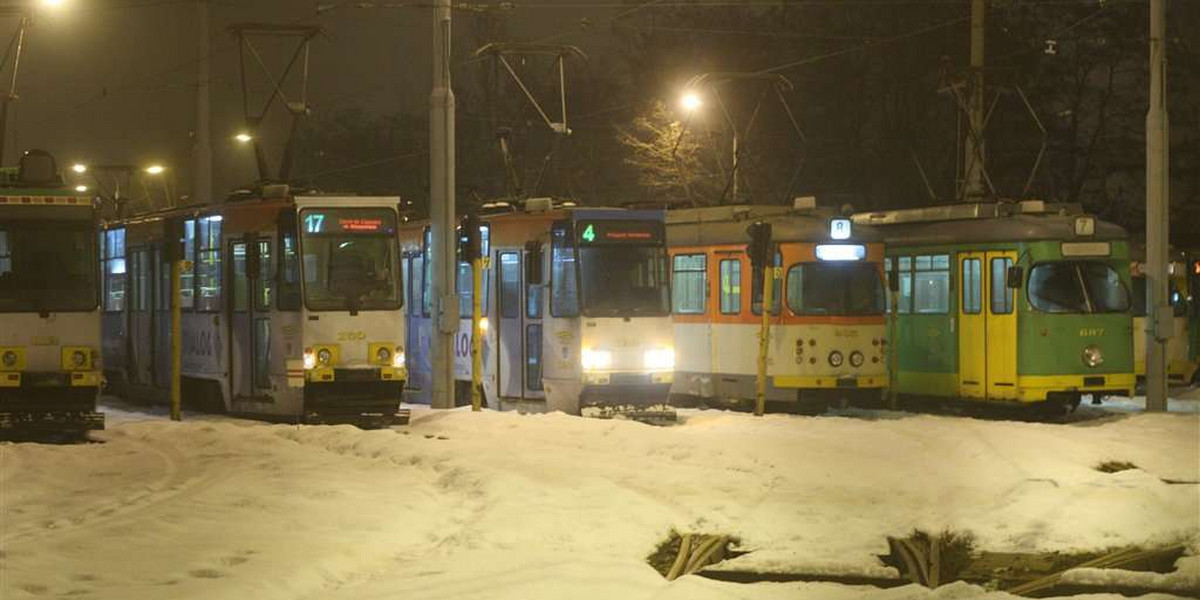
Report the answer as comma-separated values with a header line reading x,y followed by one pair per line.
x,y
81,188
155,169
53,3
690,101
244,138
79,168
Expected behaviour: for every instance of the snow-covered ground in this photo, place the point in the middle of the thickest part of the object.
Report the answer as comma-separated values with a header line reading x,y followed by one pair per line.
x,y
489,505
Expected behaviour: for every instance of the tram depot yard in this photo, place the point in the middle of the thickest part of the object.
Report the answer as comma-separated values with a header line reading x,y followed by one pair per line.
x,y
500,505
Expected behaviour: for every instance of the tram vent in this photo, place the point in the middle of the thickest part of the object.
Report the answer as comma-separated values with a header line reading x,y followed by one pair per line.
x,y
1033,207
276,190
804,203
534,205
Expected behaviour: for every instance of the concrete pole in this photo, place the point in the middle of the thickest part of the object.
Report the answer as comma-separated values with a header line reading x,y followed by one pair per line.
x,y
202,161
1159,323
441,209
974,147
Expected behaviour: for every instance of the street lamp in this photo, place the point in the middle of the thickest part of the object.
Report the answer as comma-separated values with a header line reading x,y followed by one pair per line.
x,y
155,169
81,188
690,101
244,138
79,168
53,3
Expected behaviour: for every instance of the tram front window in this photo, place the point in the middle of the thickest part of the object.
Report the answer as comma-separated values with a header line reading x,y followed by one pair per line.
x,y
349,259
835,289
47,266
1077,287
624,281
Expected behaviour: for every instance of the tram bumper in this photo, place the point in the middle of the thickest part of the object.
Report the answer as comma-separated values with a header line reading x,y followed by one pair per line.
x,y
367,398
635,396
1039,388
49,402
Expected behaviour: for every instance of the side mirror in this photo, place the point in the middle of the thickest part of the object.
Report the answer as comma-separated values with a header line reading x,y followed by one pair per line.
x,y
534,257
253,262
1016,277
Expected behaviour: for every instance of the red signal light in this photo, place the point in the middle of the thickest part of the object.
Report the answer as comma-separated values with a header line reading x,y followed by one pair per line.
x,y
1196,268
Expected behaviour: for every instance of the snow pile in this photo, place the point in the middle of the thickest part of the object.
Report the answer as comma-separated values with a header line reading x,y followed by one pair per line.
x,y
491,505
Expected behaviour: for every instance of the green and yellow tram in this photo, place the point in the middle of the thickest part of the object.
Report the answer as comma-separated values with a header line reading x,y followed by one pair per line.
x,y
1014,303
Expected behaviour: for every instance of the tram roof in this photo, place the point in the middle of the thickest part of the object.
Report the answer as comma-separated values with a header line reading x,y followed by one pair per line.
x,y
980,222
727,225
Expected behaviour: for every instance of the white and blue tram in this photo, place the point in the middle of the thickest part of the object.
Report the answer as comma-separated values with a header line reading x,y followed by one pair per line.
x,y
49,322
291,307
576,311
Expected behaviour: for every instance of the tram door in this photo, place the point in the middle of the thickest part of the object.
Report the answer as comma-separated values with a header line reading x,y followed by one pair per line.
x,y
987,338
141,318
511,355
249,323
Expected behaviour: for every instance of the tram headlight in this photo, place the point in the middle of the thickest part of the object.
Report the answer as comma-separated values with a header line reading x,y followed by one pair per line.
x,y
324,357
310,359
857,359
9,359
836,359
398,358
483,324
1092,356
660,359
593,359
79,359
383,355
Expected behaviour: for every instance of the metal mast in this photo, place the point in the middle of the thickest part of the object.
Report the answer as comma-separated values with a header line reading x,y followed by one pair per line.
x,y
1159,324
973,177
202,167
441,209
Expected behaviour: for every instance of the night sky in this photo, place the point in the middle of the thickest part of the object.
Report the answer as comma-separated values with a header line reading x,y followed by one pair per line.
x,y
113,81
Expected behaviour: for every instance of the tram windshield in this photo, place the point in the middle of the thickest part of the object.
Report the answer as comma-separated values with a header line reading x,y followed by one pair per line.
x,y
349,259
835,289
47,266
621,280
1077,287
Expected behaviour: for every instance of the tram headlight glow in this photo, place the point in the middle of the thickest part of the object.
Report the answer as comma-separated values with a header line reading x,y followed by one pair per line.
x,y
310,359
483,324
660,359
1092,356
398,358
836,359
594,360
856,359
9,359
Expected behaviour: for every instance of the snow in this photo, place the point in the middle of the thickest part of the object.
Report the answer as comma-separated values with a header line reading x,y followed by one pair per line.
x,y
499,505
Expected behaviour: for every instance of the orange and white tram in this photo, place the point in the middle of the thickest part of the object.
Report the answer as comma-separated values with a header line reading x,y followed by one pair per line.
x,y
828,339
291,307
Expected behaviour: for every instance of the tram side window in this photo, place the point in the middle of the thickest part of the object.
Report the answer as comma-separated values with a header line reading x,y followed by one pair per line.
x,y
510,285
689,281
114,270
264,291
187,279
208,264
972,290
564,283
904,267
931,284
1002,295
289,266
731,286
5,253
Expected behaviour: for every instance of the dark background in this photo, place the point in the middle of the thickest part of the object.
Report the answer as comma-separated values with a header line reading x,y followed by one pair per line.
x,y
113,81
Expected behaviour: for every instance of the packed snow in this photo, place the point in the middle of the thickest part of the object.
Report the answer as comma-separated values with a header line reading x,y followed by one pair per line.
x,y
499,505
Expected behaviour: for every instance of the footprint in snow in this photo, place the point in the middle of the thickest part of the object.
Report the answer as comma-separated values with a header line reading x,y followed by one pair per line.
x,y
206,573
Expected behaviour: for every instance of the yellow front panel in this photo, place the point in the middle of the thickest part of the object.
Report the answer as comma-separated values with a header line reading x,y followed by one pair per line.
x,y
1001,326
972,330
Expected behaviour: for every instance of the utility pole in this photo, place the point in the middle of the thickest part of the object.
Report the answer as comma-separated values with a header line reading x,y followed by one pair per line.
x,y
441,209
1159,324
973,177
202,166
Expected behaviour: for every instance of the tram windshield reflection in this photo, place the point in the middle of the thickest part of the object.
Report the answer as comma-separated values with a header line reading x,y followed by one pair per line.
x,y
624,280
47,266
1077,287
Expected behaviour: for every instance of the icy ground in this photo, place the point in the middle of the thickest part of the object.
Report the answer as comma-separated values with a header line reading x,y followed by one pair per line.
x,y
503,506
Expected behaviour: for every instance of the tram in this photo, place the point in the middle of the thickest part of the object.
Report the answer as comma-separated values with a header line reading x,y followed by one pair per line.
x,y
50,376
1020,303
576,311
1183,354
828,337
290,307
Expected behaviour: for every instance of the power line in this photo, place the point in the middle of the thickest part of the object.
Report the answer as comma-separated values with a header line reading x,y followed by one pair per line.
x,y
872,44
